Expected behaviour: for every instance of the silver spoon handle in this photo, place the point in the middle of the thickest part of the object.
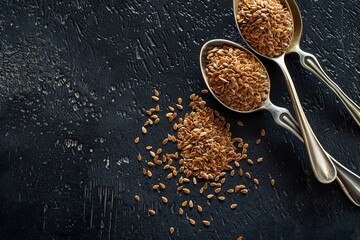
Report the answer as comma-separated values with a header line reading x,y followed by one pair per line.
x,y
309,62
323,168
349,181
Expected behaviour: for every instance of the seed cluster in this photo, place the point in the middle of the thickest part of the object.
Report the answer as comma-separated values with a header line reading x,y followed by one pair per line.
x,y
237,78
266,25
208,154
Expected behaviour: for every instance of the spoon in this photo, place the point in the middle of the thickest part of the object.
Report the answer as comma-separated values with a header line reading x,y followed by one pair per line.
x,y
309,62
348,181
323,168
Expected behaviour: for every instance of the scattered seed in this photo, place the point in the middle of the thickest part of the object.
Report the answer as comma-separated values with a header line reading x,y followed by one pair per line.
x,y
248,175
272,182
241,172
204,91
256,181
262,133
152,212
179,100
191,204
150,164
186,191
244,191
259,160
181,211
192,222
184,203
240,238
159,151
162,186
148,148
155,98
171,230
217,190
137,140
233,206
206,223
199,208
137,198
221,198
250,162
148,112
149,173
240,123
180,107
143,130
164,199
139,157
258,141
155,187
144,171
156,93
232,173
209,196
230,190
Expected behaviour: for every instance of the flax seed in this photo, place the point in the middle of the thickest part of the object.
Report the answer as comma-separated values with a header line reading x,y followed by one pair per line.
x,y
162,186
259,160
256,181
240,123
137,140
250,162
191,204
184,203
155,98
206,223
152,212
149,173
217,190
244,191
179,100
204,91
164,199
209,196
181,211
258,141
230,190
186,191
199,208
139,157
248,175
272,182
171,230
143,130
137,198
262,133
233,206
221,198
192,222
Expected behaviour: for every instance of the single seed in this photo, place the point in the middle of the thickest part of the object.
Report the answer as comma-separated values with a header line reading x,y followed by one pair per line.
x,y
233,206
170,175
241,172
159,151
272,182
137,198
204,91
165,141
192,222
258,141
171,108
137,140
171,230
162,186
180,107
149,173
180,188
240,123
164,199
256,181
248,175
139,157
152,212
237,164
143,130
262,132
184,203
232,173
191,204
230,190
259,160
152,154
179,100
150,164
244,191
157,121
157,108
199,208
144,171
186,191
154,117
201,191
155,187
181,211
156,93
221,198
217,190
148,148
155,98
209,196
206,223
194,181
249,161
148,113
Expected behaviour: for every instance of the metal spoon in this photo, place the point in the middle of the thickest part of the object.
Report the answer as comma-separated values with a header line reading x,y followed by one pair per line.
x,y
323,168
348,181
309,62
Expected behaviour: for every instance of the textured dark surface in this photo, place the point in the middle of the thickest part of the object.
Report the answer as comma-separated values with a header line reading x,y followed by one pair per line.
x,y
75,78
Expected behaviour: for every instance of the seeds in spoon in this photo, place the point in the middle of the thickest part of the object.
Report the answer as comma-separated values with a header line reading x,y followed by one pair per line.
x,y
237,78
266,25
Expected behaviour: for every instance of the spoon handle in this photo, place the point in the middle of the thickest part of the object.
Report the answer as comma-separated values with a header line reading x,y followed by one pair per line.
x,y
348,181
323,168
309,62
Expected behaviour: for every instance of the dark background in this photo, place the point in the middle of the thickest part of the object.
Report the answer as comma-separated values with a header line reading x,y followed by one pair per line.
x,y
75,79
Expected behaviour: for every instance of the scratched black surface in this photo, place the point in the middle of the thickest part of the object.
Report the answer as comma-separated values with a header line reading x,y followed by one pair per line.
x,y
75,79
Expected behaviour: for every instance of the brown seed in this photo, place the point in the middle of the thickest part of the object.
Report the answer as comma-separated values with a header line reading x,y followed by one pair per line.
x,y
171,230
241,172
150,164
155,98
206,223
230,190
217,190
155,187
149,173
204,91
262,133
144,171
248,175
258,141
148,113
171,109
240,238
244,191
181,211
154,117
209,196
137,198
156,93
186,191
152,153
237,164
162,186
250,162
221,198
164,199
143,130
159,151
180,107
272,182
165,141
170,175
201,191
194,181
184,203
157,108
152,212
199,208
139,157
232,173
240,123
256,181
180,188
179,100
259,160
157,121
192,222
191,204
137,140
233,206
148,148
